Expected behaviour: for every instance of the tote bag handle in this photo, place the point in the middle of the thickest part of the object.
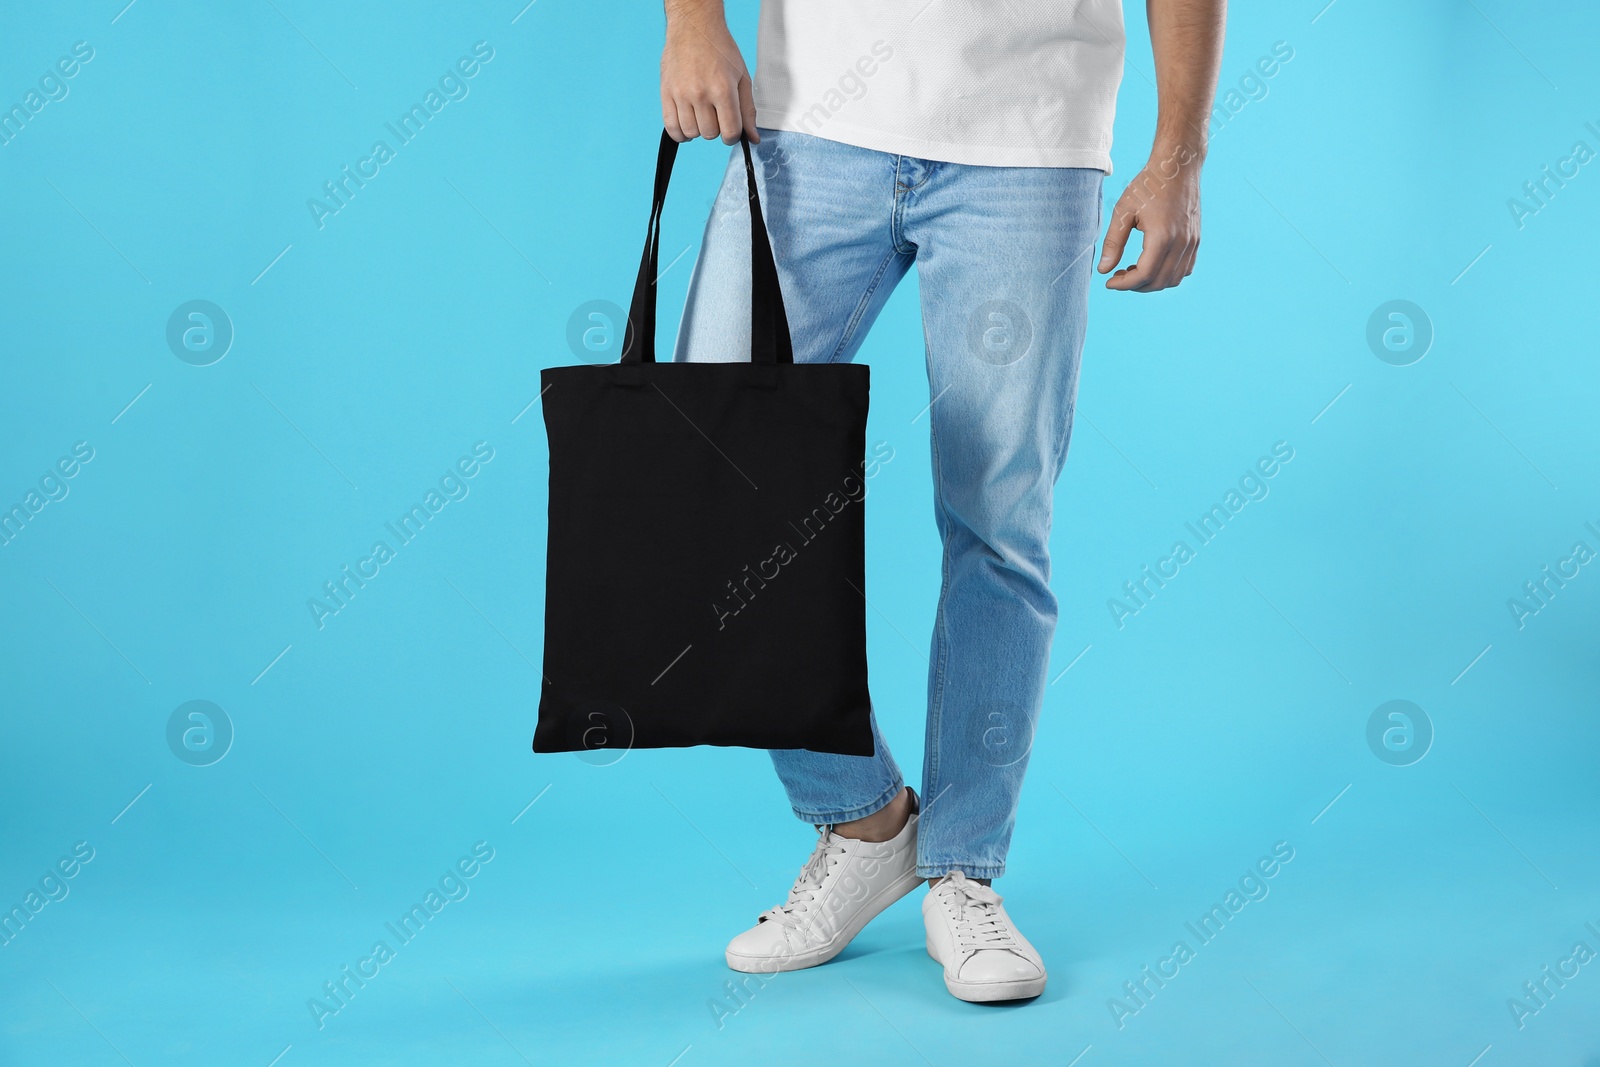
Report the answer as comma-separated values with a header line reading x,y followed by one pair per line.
x,y
769,325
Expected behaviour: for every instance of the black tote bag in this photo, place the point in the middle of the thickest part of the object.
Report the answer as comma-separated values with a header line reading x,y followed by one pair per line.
x,y
705,564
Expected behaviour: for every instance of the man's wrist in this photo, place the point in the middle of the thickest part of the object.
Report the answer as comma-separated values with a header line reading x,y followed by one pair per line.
x,y
697,13
1171,156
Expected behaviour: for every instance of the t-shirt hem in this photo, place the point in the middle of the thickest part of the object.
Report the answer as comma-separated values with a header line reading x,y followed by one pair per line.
x,y
941,151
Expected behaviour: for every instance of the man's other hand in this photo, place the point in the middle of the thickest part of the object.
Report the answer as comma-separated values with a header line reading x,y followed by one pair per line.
x,y
705,87
1163,204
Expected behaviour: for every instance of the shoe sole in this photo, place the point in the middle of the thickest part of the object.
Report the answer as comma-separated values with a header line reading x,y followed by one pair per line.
x,y
817,956
990,992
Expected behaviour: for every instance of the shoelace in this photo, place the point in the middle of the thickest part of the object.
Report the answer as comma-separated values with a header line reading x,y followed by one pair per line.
x,y
976,910
793,910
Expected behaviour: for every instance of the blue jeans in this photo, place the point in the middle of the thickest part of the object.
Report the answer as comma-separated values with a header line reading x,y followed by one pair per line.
x,y
1003,257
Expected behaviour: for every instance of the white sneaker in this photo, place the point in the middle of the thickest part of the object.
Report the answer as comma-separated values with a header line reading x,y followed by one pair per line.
x,y
842,887
985,958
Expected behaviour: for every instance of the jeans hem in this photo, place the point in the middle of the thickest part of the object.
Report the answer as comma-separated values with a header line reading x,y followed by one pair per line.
x,y
971,870
869,808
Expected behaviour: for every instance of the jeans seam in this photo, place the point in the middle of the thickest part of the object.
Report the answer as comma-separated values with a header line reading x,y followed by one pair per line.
x,y
931,758
861,306
897,214
940,868
927,172
869,808
1061,457
1072,404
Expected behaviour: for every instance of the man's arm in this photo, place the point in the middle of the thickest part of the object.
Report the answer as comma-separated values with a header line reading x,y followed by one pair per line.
x,y
1163,200
705,88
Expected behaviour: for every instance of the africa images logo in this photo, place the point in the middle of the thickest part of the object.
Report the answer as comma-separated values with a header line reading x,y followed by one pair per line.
x,y
452,86
453,485
852,489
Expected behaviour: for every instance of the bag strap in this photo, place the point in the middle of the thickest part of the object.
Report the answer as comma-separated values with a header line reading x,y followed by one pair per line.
x,y
769,323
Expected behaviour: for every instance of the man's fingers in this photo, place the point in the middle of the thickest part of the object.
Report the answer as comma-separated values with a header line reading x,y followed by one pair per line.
x,y
1122,223
747,110
688,125
669,119
1138,274
686,118
1142,274
1125,279
1155,259
669,122
1163,262
730,119
705,118
1184,264
1176,266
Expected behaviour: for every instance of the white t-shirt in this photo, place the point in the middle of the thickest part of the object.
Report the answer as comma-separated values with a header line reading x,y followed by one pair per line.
x,y
1021,83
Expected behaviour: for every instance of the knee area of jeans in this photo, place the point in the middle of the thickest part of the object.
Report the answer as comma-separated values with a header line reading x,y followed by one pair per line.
x,y
1002,550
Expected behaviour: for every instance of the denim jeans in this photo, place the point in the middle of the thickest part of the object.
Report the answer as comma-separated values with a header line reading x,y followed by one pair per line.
x,y
1003,257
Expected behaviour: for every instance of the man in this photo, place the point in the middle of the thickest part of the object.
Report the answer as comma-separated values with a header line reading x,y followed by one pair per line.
x,y
970,138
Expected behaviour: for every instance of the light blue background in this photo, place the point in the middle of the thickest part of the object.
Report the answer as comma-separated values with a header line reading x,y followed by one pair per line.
x,y
371,754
